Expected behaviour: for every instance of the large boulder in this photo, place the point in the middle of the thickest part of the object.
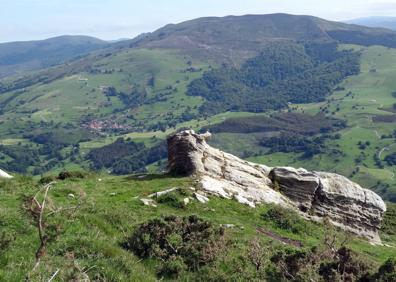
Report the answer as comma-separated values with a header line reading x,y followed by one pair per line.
x,y
316,195
219,173
4,175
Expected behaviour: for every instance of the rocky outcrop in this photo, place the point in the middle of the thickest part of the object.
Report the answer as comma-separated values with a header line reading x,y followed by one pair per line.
x,y
220,173
4,175
314,194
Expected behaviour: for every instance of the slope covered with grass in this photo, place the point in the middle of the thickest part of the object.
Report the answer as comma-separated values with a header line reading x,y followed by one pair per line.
x,y
88,221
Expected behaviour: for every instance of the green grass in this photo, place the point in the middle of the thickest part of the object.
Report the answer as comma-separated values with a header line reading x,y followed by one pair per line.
x,y
108,211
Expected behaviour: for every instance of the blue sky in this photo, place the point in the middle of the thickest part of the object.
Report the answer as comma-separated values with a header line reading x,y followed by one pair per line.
x,y
112,19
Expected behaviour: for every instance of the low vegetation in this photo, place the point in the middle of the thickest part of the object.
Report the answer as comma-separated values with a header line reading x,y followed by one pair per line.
x,y
180,243
97,228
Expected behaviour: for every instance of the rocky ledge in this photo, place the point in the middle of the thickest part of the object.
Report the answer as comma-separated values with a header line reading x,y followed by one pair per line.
x,y
316,195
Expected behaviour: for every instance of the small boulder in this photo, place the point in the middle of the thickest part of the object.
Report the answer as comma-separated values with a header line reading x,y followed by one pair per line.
x,y
161,193
148,202
244,201
201,198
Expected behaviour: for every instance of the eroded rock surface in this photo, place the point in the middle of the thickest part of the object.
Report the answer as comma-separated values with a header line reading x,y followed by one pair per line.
x,y
220,173
314,194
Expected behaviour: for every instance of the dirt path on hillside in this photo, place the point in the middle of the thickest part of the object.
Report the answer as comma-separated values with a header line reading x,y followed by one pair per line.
x,y
279,238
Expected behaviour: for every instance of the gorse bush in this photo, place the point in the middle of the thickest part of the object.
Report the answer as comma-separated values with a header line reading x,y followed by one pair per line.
x,y
285,219
71,174
318,264
175,199
386,272
179,242
171,200
63,175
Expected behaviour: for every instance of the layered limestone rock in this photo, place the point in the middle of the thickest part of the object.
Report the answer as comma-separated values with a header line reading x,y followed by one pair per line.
x,y
220,173
348,205
4,175
314,194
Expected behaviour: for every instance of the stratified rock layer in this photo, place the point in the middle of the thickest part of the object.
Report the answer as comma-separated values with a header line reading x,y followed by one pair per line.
x,y
314,194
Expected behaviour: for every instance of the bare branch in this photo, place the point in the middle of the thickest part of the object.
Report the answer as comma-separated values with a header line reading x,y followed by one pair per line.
x,y
53,276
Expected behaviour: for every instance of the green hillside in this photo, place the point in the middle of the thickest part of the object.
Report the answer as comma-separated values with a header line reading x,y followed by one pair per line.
x,y
200,74
362,101
87,222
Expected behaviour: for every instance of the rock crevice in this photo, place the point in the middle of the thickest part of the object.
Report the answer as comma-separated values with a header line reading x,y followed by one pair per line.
x,y
316,195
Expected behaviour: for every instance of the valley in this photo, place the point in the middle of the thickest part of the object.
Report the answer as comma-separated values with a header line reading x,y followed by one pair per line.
x,y
68,102
236,148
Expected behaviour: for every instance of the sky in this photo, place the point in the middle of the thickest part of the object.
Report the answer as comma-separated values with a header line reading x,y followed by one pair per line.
x,y
113,19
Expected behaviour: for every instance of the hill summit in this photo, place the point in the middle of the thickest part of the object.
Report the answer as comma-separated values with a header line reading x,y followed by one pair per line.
x,y
236,37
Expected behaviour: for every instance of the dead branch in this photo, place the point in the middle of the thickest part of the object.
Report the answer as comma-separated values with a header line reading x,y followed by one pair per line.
x,y
43,238
53,276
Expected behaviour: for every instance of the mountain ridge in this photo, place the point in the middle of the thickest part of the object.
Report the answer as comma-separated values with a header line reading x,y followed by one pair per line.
x,y
377,21
22,56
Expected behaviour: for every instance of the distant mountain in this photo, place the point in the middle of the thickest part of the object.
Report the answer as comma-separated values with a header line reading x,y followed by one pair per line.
x,y
118,40
17,57
237,37
384,22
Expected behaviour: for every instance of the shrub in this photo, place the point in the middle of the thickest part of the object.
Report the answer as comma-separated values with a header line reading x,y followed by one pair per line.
x,y
288,264
386,272
318,264
47,179
70,174
172,200
180,242
345,267
285,219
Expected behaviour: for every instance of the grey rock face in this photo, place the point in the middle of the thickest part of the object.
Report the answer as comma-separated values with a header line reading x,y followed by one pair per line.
x,y
348,205
315,195
299,185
